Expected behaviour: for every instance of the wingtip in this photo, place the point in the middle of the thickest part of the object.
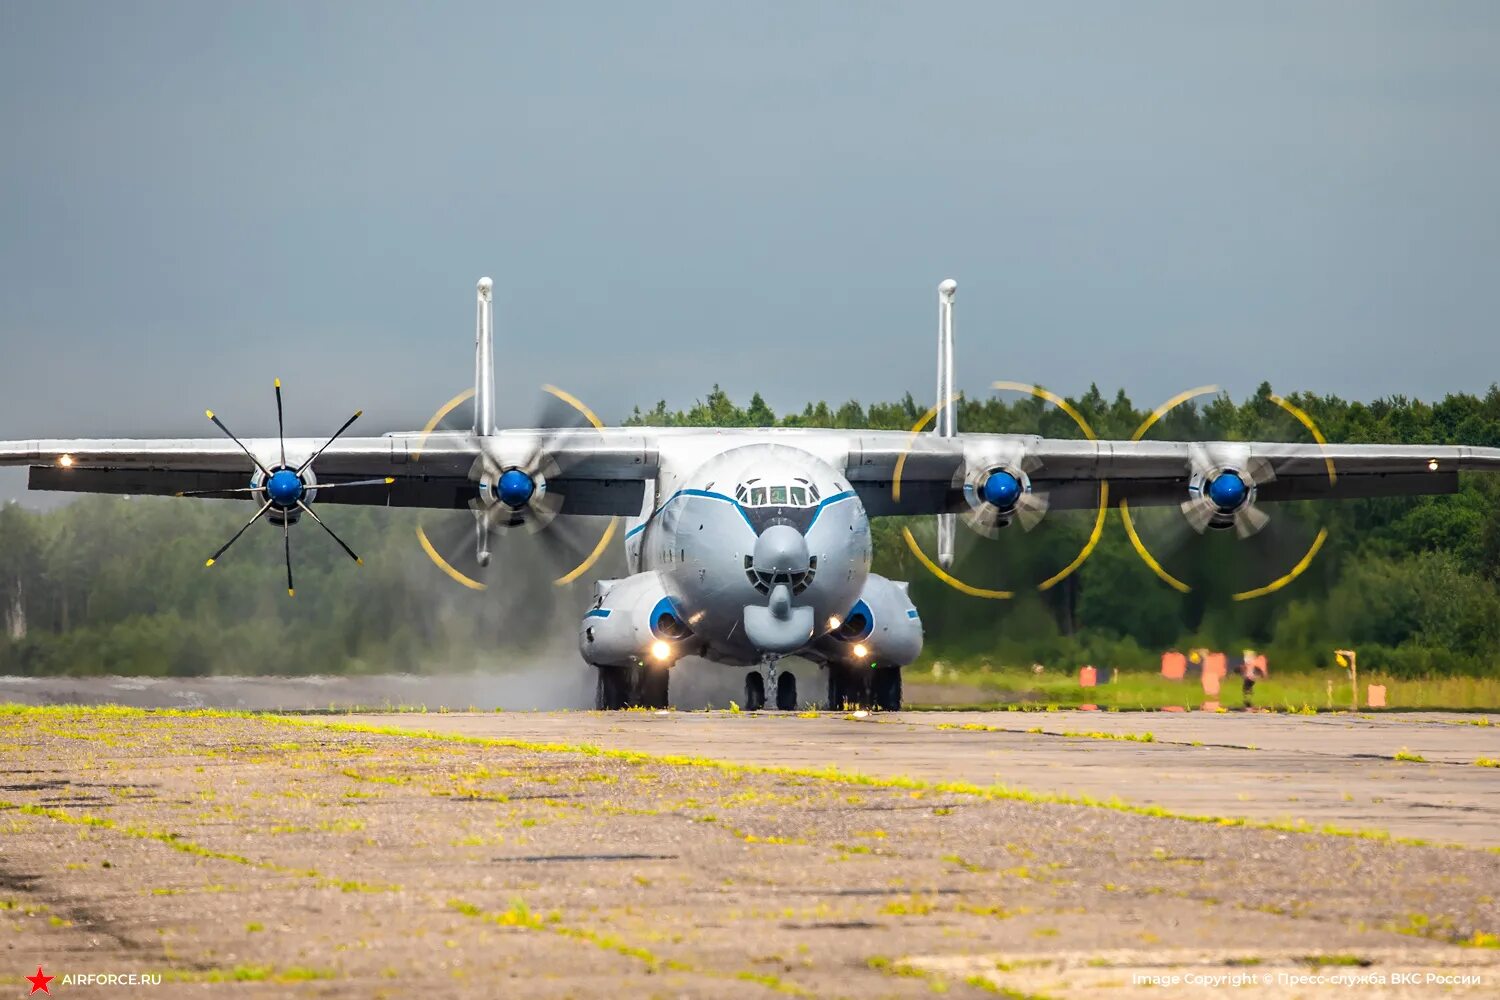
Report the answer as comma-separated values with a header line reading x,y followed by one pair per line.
x,y
389,480
209,563
209,414
359,413
290,592
278,383
178,493
358,561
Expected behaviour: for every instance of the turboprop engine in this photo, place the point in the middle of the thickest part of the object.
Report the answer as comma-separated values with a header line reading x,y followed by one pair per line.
x,y
882,628
632,621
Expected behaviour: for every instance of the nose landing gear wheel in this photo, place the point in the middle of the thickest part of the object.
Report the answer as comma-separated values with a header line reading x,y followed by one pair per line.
x,y
786,692
755,691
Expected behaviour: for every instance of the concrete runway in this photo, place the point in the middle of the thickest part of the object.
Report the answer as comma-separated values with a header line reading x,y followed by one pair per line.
x,y
1325,769
277,856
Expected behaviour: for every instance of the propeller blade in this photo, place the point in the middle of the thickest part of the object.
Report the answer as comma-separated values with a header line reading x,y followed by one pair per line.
x,y
1199,458
220,425
1250,519
463,549
215,493
471,545
1260,471
286,535
1030,509
225,547
1199,512
280,424
385,481
341,430
309,512
382,481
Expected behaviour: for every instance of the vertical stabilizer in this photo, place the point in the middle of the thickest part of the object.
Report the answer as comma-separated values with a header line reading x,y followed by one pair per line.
x,y
946,423
484,361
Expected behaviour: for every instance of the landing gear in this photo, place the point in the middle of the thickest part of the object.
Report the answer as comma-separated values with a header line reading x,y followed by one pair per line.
x,y
854,686
651,686
613,690
885,686
848,686
631,685
755,691
786,692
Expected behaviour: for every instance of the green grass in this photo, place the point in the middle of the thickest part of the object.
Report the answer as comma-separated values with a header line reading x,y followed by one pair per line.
x,y
1292,691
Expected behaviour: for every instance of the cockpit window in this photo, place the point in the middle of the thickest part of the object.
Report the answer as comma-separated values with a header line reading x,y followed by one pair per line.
x,y
800,494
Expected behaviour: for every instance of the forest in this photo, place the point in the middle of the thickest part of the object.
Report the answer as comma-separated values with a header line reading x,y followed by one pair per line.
x,y
115,585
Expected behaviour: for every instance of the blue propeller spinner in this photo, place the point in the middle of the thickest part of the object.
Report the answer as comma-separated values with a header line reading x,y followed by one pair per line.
x,y
287,491
1001,489
1227,490
515,488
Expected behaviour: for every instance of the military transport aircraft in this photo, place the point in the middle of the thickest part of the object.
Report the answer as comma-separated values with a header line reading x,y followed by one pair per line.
x,y
745,545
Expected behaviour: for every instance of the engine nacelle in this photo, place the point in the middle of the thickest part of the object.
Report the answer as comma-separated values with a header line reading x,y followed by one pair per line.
x,y
882,629
632,620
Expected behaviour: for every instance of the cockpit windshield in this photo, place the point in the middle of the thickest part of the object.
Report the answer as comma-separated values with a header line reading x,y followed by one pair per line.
x,y
763,493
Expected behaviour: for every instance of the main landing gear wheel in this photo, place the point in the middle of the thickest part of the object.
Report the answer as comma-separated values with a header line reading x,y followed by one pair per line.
x,y
786,692
651,686
848,686
755,691
631,686
613,690
885,684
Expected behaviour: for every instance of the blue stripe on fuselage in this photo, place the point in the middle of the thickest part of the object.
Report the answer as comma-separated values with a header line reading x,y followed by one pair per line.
x,y
826,502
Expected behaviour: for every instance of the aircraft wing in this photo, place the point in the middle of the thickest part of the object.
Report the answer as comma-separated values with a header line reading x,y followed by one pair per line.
x,y
595,473
931,470
605,471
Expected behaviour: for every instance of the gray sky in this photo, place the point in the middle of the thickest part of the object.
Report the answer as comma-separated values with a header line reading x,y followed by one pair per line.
x,y
196,198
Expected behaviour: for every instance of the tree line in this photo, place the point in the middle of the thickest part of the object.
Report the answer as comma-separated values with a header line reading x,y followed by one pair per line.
x,y
110,585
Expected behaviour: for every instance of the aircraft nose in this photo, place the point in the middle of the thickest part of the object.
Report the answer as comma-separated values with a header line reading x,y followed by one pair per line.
x,y
780,549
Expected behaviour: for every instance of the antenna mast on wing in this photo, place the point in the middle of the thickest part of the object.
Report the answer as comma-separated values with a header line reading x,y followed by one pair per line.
x,y
946,425
484,361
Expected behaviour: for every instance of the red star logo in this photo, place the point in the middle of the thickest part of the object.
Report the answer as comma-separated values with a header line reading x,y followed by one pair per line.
x,y
39,982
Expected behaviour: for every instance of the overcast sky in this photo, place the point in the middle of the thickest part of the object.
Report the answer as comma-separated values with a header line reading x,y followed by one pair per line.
x,y
196,198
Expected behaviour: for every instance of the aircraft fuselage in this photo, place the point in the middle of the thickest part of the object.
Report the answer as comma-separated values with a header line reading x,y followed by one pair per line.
x,y
755,552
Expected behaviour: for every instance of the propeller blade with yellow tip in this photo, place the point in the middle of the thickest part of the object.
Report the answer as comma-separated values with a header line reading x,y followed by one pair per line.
x,y
225,547
382,481
220,425
331,534
280,424
305,465
286,536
